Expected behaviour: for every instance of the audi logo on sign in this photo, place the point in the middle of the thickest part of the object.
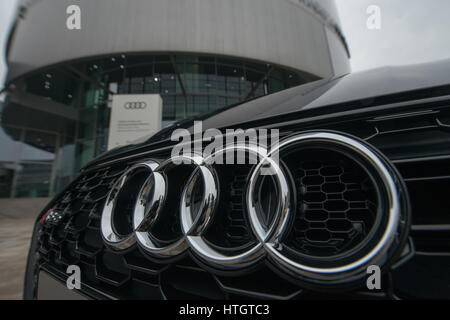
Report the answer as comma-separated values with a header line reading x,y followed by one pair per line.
x,y
135,105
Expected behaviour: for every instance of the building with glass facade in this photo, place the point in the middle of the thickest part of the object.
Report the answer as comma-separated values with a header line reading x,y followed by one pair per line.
x,y
199,55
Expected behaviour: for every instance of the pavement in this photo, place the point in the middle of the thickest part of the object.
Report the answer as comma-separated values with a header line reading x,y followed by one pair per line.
x,y
17,218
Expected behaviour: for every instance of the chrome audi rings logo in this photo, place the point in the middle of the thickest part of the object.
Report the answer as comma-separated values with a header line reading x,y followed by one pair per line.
x,y
135,105
142,199
194,217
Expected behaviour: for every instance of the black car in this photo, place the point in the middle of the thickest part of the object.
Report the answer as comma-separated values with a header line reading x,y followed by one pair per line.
x,y
361,187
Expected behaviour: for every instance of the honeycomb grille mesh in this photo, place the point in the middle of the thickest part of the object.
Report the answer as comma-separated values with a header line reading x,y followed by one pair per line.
x,y
76,239
230,228
336,207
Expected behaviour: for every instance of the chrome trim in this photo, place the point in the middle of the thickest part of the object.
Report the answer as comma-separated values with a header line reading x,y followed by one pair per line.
x,y
207,205
268,239
149,204
277,251
404,115
279,225
109,234
238,261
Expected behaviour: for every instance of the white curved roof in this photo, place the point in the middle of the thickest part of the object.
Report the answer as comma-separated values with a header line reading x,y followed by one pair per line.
x,y
292,33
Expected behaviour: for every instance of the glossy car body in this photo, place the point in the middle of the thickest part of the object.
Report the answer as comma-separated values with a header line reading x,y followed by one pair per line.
x,y
402,112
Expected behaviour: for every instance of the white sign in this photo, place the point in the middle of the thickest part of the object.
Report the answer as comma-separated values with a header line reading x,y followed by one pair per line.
x,y
134,117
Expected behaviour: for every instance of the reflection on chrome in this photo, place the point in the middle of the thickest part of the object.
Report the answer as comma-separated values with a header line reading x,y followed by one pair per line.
x,y
195,215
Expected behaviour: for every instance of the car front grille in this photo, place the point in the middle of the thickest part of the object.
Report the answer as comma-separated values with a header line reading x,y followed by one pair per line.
x,y
418,146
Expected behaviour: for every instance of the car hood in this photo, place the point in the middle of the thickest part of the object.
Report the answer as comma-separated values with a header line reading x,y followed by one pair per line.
x,y
356,89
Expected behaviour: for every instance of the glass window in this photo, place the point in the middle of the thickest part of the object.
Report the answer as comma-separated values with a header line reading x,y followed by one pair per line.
x,y
161,58
132,60
7,171
64,168
137,85
58,85
152,84
26,170
221,102
207,59
124,87
254,76
33,180
93,95
164,68
246,88
111,63
181,107
168,83
209,82
39,146
84,152
229,61
11,141
140,72
169,110
221,84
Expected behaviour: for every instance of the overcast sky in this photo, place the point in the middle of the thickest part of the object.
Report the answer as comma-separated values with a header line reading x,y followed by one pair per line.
x,y
411,31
